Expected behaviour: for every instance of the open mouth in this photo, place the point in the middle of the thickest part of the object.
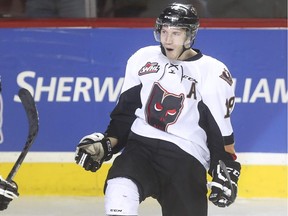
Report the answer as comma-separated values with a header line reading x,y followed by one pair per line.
x,y
169,49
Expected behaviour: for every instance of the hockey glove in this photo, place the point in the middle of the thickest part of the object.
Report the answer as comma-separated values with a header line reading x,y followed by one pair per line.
x,y
92,151
224,183
8,191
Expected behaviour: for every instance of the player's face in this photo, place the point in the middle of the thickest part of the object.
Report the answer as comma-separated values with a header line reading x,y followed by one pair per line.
x,y
173,39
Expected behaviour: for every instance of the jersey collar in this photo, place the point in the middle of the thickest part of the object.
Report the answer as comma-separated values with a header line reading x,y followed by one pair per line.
x,y
196,57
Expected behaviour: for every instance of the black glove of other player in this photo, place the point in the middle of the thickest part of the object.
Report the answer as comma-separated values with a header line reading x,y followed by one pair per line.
x,y
92,151
8,191
222,194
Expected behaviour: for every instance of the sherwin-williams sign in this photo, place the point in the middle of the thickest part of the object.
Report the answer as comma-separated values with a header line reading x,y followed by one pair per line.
x,y
75,76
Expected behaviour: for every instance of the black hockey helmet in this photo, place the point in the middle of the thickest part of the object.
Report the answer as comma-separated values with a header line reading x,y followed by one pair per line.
x,y
178,15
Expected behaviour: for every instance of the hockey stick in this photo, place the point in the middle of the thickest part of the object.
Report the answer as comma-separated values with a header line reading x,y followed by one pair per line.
x,y
227,175
33,120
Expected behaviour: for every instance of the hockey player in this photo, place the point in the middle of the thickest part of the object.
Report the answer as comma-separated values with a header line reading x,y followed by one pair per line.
x,y
173,122
8,191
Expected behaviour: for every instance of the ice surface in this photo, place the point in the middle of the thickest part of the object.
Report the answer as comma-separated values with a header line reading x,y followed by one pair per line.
x,y
89,206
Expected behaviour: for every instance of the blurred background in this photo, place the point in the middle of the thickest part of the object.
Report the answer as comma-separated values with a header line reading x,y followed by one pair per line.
x,y
139,8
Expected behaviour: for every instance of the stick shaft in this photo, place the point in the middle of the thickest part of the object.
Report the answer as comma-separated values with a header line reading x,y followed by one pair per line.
x,y
33,120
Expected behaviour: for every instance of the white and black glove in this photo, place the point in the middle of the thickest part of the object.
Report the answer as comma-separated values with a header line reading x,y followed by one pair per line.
x,y
8,191
224,183
92,151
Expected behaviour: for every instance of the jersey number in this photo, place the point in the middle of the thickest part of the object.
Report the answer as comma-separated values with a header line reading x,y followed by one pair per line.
x,y
229,106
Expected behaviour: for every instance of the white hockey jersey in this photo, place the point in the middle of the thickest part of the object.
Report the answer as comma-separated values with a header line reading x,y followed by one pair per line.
x,y
187,102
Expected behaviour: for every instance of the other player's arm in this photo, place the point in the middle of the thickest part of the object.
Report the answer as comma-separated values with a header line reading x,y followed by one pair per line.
x,y
8,192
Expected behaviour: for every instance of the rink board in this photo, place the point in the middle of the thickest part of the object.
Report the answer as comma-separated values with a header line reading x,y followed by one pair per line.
x,y
259,180
75,76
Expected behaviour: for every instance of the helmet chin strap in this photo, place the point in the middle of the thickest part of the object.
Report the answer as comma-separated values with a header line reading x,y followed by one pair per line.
x,y
183,50
162,49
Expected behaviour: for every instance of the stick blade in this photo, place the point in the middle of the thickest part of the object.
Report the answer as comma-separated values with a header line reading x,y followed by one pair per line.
x,y
31,111
33,121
